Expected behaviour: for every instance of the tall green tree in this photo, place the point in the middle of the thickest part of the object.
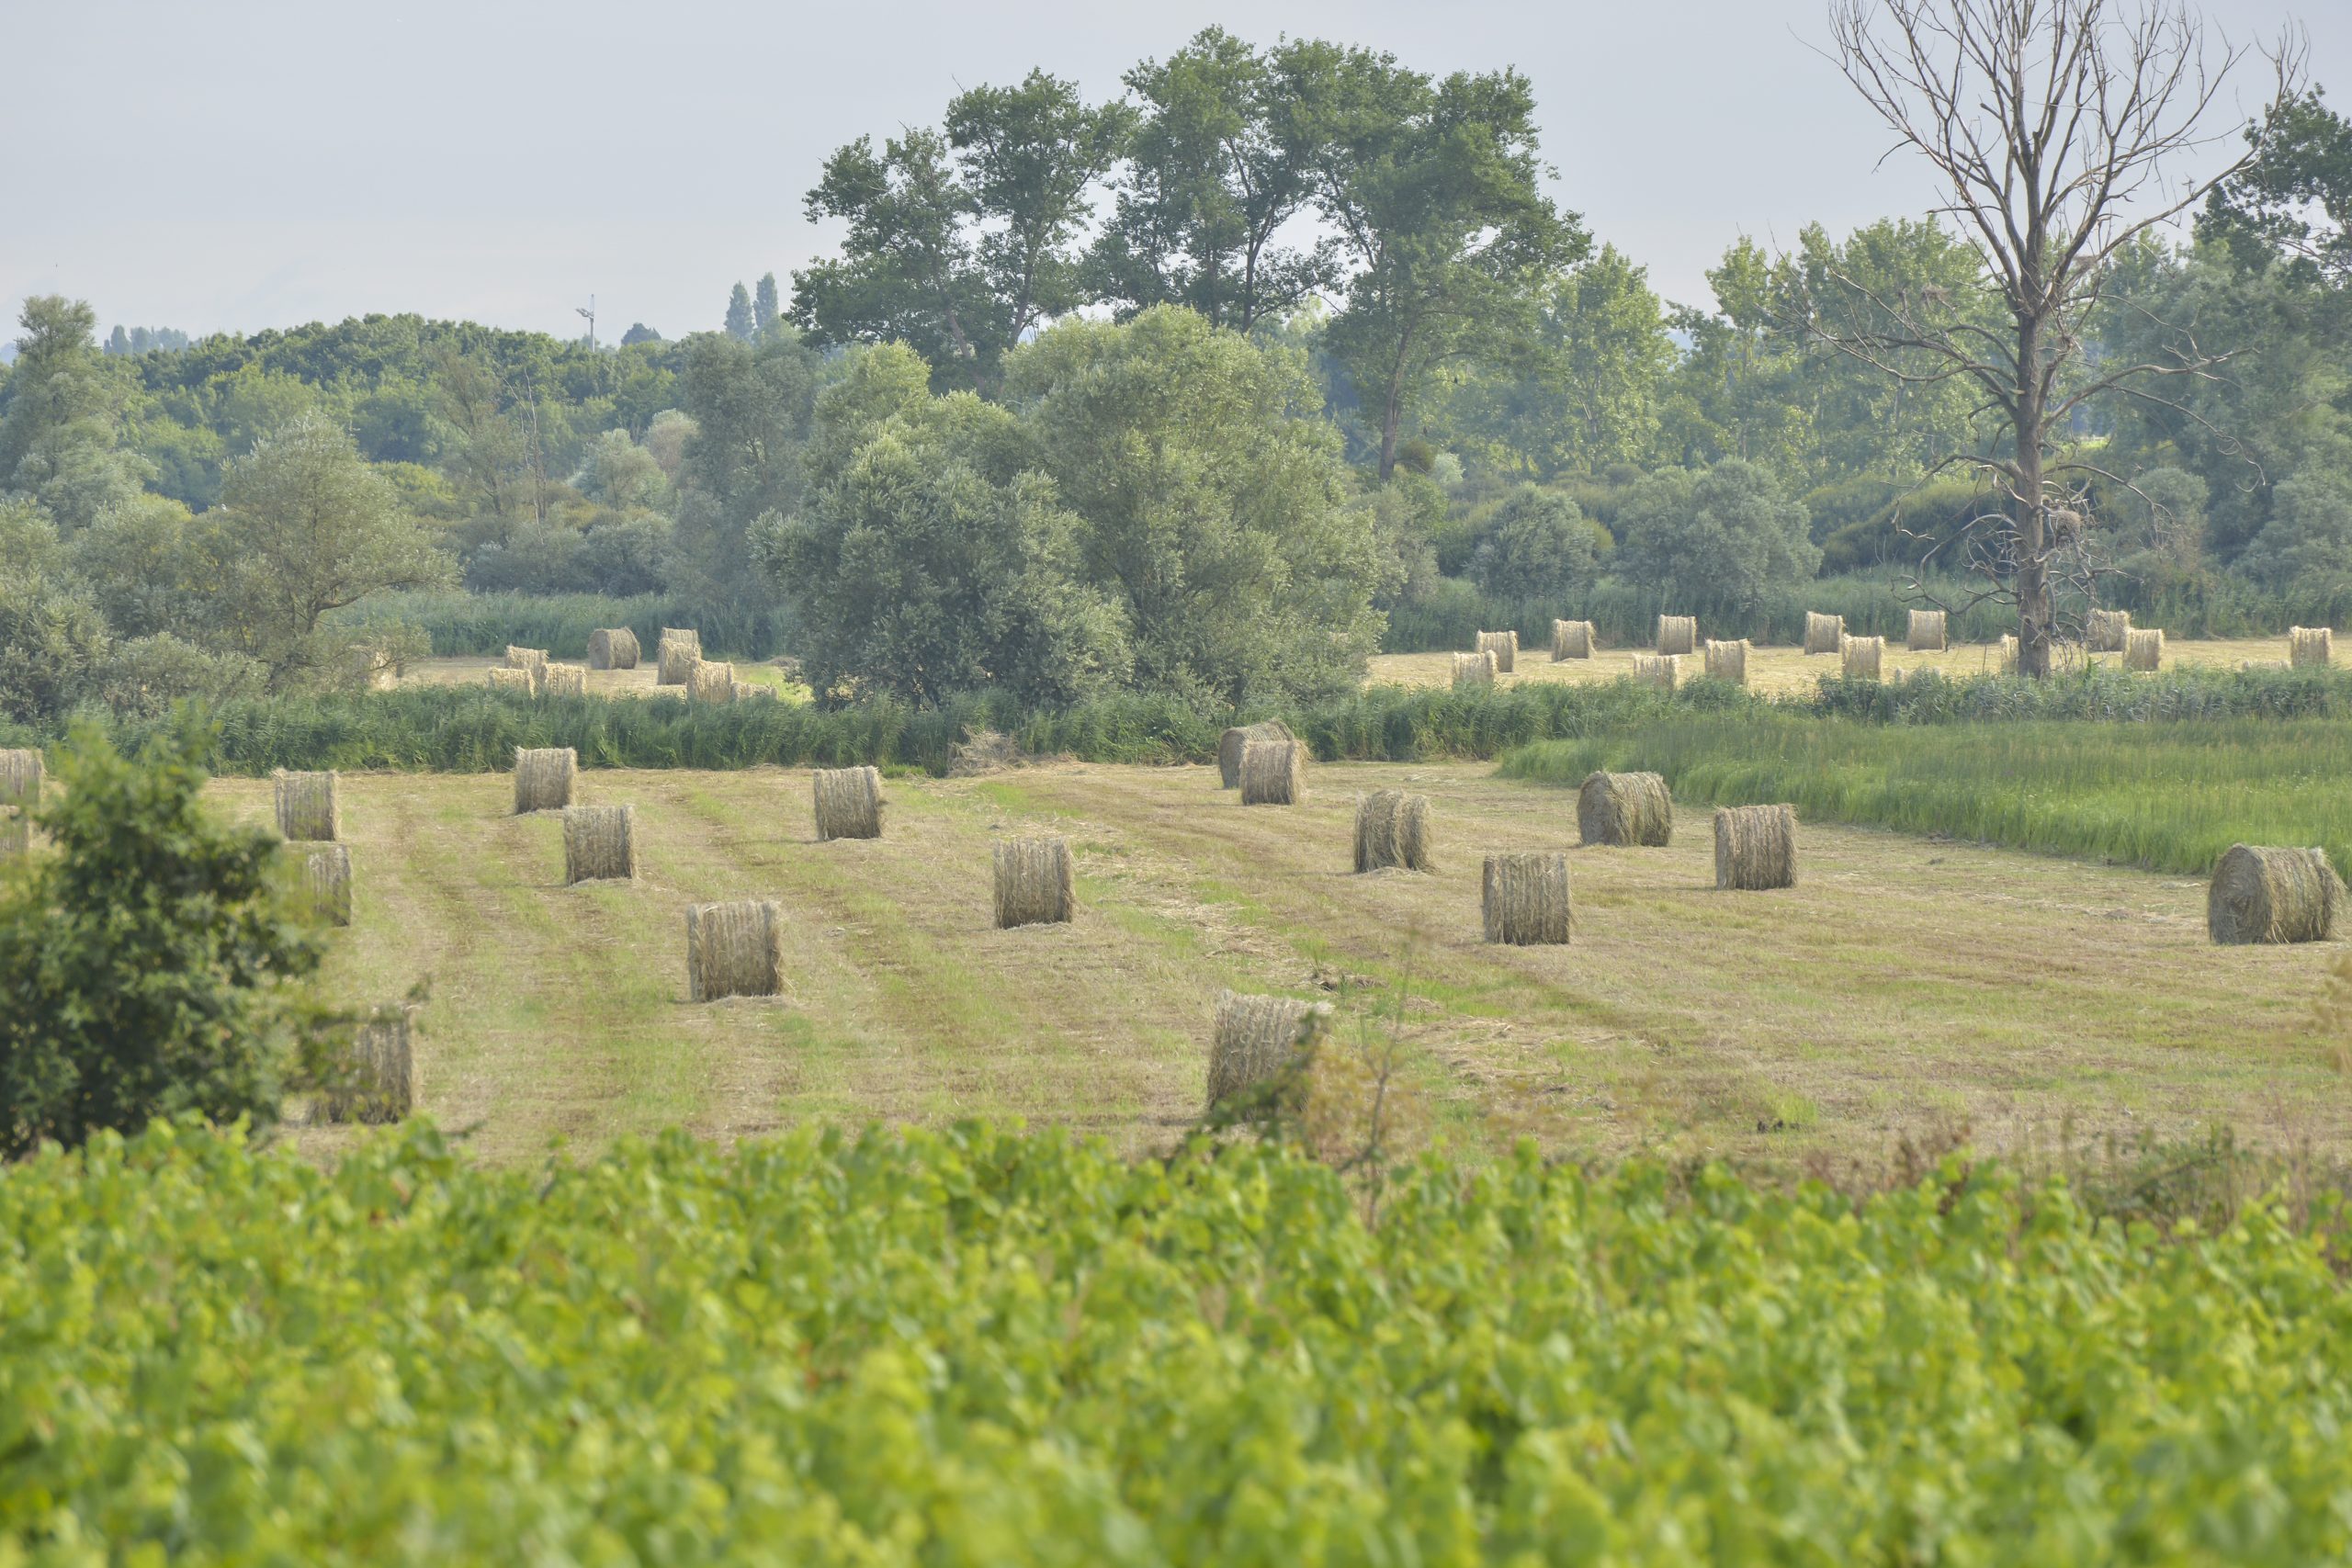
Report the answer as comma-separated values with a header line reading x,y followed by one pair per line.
x,y
62,418
749,408
764,303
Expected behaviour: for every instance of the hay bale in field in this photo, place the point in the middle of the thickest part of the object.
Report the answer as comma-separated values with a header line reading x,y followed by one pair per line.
x,y
675,656
20,779
526,658
708,682
1822,633
1504,646
1860,656
1659,670
1393,830
1727,660
1230,747
2273,894
2312,647
849,803
327,882
2248,666
2143,648
1473,669
1273,773
1927,633
1678,633
1036,882
1526,898
612,648
378,1080
734,949
1258,1039
543,777
307,806
2008,653
2105,631
566,680
599,843
1572,639
519,681
746,690
1756,847
1624,808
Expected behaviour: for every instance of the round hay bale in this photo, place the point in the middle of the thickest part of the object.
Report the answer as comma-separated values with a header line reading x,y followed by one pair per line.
x,y
675,656
1230,744
1393,830
566,680
543,777
849,803
1504,646
2311,647
520,682
1036,882
1526,898
1860,657
2008,654
1678,633
1273,773
708,682
1756,847
1473,669
1625,809
734,949
20,779
307,806
1572,639
1927,633
612,648
599,843
327,882
1727,660
2106,629
1659,670
2272,895
378,1080
2143,648
1262,1040
1822,633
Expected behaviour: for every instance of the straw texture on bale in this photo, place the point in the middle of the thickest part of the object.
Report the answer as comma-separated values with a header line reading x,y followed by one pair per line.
x,y
849,803
1504,646
1861,657
20,777
1393,831
326,881
710,682
2273,894
1659,670
1926,634
612,648
1625,809
1526,898
2143,648
307,806
734,949
567,681
1273,773
2008,655
526,658
1473,669
1036,882
1260,1038
2312,645
2106,629
1756,847
675,656
380,1080
599,843
1230,744
746,690
543,777
1822,633
1727,660
1572,639
1678,633
521,681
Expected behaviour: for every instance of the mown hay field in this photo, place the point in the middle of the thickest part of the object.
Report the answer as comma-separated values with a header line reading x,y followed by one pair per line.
x,y
1903,987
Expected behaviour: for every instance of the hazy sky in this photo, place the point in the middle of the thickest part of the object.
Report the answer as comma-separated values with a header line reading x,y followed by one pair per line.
x,y
240,165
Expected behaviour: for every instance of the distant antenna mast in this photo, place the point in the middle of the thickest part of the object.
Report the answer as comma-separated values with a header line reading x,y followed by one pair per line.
x,y
589,310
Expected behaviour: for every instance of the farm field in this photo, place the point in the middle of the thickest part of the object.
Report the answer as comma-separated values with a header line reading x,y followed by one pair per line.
x,y
472,669
1906,986
1787,668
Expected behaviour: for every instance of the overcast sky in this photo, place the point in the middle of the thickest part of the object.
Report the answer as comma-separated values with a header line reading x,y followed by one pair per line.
x,y
243,164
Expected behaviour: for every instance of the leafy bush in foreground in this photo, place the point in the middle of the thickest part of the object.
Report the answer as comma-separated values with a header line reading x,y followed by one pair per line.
x,y
974,1347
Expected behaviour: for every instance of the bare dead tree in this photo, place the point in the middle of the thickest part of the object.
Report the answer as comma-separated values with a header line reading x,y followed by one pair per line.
x,y
2056,129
